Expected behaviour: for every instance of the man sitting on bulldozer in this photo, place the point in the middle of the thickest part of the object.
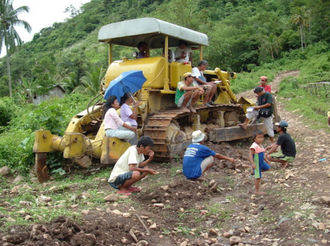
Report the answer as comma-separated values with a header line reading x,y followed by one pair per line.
x,y
187,93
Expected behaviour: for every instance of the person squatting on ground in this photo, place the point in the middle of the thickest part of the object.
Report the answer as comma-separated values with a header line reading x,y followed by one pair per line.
x,y
263,84
114,126
288,147
127,115
258,159
209,87
187,94
264,111
198,158
132,167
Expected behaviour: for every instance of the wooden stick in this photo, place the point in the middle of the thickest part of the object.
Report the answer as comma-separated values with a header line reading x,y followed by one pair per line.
x,y
145,227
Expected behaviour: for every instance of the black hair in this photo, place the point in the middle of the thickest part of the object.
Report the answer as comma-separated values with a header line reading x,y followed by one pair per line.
x,y
202,62
145,141
140,44
108,104
258,89
256,133
283,129
124,98
183,42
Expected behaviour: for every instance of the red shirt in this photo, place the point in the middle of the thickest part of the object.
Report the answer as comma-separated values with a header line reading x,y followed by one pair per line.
x,y
267,88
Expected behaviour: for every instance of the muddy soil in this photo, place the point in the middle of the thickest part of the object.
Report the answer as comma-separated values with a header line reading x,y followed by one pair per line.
x,y
222,211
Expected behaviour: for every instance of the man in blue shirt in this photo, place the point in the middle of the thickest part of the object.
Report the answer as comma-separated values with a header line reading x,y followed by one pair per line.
x,y
198,158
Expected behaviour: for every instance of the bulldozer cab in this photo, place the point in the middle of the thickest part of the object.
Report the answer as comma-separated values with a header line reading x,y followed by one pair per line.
x,y
160,73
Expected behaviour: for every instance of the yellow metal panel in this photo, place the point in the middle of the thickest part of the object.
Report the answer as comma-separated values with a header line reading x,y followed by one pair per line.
x,y
176,71
153,69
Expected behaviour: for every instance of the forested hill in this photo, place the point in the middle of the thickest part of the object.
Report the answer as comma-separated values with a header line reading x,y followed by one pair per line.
x,y
243,34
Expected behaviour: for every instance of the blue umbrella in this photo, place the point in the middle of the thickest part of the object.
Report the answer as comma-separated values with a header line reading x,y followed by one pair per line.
x,y
127,82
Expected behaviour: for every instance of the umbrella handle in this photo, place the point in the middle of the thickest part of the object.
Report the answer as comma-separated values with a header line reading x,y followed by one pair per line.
x,y
133,98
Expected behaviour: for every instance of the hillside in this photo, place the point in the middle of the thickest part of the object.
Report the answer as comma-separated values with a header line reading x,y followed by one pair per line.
x,y
243,35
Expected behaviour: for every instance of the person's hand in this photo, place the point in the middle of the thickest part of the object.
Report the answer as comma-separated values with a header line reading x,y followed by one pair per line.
x,y
232,160
133,128
151,171
136,104
254,166
151,154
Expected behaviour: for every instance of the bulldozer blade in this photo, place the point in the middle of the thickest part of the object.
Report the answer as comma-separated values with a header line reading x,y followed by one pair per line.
x,y
234,132
41,167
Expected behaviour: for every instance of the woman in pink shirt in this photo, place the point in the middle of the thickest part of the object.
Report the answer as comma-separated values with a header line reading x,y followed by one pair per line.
x,y
114,126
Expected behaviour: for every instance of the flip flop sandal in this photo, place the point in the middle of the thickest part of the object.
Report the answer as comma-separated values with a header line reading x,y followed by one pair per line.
x,y
124,192
135,189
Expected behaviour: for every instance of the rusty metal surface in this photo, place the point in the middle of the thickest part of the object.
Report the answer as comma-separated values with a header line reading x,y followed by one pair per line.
x,y
41,167
234,133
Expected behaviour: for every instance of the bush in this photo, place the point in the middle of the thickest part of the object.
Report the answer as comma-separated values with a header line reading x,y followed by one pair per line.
x,y
16,144
7,112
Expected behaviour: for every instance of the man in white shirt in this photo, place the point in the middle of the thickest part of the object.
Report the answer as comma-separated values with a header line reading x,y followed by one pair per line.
x,y
209,87
183,53
132,167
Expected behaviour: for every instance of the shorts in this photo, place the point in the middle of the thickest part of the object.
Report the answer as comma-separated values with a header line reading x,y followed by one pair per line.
x,y
279,155
121,179
264,166
206,162
180,102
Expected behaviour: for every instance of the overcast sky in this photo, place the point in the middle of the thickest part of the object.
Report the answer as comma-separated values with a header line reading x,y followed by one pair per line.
x,y
43,13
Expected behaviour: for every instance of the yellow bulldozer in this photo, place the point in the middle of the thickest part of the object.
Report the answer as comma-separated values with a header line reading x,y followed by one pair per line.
x,y
158,116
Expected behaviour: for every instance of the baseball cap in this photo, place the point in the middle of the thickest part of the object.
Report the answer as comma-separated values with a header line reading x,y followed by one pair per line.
x,y
282,123
258,89
197,136
188,74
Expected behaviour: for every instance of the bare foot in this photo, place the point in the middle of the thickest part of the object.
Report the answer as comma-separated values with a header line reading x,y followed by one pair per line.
x,y
242,126
259,193
285,165
185,109
192,109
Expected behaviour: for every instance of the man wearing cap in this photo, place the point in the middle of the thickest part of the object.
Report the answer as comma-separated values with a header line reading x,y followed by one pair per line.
x,y
263,84
264,111
288,146
187,94
209,87
198,158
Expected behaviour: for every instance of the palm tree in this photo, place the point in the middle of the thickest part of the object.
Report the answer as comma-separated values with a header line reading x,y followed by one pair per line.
x,y
301,17
8,35
92,80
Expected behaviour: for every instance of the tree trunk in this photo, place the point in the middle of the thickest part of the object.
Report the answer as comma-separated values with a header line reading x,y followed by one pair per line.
x,y
8,67
301,37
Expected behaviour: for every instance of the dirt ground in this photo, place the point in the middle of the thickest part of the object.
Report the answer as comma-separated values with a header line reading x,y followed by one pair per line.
x,y
223,211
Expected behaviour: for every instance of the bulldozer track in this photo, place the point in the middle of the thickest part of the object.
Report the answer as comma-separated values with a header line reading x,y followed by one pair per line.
x,y
157,126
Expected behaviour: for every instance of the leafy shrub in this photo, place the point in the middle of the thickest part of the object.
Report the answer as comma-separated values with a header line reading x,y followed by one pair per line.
x,y
16,144
7,111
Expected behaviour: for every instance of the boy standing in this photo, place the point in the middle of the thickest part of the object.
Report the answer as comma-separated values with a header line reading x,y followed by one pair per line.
x,y
132,167
257,159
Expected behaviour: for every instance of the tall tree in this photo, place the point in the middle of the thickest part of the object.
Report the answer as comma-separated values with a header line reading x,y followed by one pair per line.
x,y
301,18
8,35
